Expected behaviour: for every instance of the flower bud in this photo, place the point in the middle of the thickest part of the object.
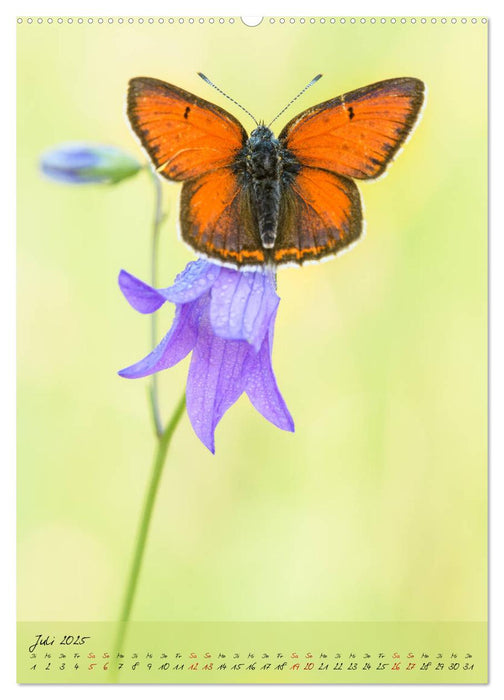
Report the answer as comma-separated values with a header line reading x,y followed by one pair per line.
x,y
81,163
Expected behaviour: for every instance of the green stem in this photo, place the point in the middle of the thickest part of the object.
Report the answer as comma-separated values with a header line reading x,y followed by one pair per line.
x,y
143,530
163,435
156,227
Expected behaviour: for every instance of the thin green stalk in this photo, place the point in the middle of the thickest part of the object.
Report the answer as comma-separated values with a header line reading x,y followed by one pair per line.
x,y
143,530
156,228
163,435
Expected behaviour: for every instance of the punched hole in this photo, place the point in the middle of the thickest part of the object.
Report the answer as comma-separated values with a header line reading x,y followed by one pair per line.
x,y
251,21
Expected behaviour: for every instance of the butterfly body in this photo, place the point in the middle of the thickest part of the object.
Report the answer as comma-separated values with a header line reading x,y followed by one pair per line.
x,y
265,168
260,199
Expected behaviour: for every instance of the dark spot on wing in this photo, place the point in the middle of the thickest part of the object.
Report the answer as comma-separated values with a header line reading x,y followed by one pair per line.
x,y
351,113
186,113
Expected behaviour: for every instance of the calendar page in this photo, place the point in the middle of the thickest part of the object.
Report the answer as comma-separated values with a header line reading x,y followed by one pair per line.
x,y
252,370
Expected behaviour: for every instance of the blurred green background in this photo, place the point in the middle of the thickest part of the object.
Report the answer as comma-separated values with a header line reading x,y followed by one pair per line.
x,y
375,509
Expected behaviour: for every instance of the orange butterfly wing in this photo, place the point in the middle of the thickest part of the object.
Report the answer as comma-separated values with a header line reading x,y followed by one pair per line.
x,y
356,134
184,135
217,219
321,214
193,140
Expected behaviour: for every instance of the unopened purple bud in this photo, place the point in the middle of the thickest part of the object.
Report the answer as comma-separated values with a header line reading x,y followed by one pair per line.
x,y
82,163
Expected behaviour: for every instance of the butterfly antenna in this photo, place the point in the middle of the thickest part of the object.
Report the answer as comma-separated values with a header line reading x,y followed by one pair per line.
x,y
201,75
317,77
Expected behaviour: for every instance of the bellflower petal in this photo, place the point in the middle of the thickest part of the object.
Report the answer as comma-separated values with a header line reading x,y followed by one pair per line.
x,y
215,380
141,296
177,343
262,389
195,280
226,317
242,305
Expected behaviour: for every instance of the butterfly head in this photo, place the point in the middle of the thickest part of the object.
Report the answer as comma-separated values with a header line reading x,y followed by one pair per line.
x,y
261,133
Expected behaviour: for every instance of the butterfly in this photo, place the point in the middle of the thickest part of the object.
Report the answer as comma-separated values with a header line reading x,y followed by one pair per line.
x,y
260,200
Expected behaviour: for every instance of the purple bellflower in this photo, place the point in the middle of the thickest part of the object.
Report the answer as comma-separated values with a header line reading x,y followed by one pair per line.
x,y
83,163
226,318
